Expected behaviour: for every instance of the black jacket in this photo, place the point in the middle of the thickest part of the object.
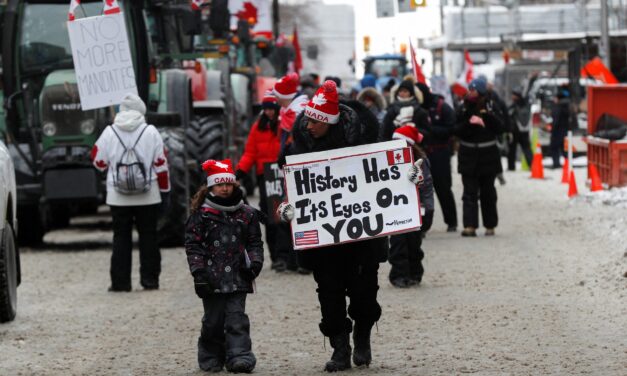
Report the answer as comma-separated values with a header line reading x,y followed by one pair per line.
x,y
349,131
217,244
442,118
420,119
475,159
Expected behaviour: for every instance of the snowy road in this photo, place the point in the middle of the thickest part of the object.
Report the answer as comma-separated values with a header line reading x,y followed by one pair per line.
x,y
546,295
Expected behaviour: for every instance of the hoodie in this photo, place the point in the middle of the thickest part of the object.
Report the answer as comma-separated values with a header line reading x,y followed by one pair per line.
x,y
108,150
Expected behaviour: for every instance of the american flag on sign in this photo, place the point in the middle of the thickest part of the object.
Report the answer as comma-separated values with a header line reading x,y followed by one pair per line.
x,y
398,156
306,237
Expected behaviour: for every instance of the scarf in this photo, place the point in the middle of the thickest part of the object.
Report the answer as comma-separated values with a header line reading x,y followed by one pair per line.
x,y
228,204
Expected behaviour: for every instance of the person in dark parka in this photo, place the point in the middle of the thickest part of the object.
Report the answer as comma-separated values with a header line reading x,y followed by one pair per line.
x,y
405,107
348,269
561,123
520,117
437,145
479,160
225,254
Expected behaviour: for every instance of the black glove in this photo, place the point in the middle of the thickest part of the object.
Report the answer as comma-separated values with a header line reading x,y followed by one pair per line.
x,y
200,275
249,274
165,203
240,175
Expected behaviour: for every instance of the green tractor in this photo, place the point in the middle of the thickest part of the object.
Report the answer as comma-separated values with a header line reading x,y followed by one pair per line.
x,y
49,135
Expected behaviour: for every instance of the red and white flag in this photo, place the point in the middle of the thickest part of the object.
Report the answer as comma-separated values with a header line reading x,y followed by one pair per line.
x,y
111,7
398,156
73,5
420,77
467,75
196,4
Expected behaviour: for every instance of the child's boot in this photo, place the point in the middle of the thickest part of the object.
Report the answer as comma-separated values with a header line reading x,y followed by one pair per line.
x,y
341,357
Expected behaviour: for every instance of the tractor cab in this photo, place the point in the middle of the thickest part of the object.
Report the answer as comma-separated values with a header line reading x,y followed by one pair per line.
x,y
386,66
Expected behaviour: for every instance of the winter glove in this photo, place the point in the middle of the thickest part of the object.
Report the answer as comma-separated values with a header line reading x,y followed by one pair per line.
x,y
405,115
165,203
249,274
285,212
200,275
476,120
415,174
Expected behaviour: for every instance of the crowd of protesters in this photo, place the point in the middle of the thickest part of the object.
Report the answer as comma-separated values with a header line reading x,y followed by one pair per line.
x,y
223,239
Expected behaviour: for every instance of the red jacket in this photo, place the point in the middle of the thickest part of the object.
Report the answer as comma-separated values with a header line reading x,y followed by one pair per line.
x,y
263,146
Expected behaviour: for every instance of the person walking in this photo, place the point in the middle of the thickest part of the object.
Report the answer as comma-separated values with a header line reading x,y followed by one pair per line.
x,y
225,255
341,270
406,254
437,145
374,101
520,116
479,160
138,186
263,146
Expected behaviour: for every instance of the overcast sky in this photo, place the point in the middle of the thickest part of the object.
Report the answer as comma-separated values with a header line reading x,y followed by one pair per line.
x,y
386,34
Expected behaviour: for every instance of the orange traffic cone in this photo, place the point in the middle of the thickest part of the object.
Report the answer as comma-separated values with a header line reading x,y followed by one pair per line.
x,y
537,170
565,170
572,185
595,179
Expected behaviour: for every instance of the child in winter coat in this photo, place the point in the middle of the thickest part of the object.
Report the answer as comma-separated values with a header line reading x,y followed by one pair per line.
x,y
406,253
225,255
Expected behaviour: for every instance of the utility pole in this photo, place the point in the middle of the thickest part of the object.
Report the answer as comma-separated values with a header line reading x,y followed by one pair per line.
x,y
604,48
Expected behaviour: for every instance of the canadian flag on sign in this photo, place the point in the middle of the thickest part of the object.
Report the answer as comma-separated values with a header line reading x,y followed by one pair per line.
x,y
196,4
111,7
398,156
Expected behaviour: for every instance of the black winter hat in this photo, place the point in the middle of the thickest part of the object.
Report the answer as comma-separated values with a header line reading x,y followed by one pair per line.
x,y
407,85
426,92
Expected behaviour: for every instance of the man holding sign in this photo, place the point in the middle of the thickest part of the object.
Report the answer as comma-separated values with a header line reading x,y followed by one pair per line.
x,y
345,266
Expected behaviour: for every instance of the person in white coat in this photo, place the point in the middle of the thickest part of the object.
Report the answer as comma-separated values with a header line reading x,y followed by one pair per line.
x,y
138,184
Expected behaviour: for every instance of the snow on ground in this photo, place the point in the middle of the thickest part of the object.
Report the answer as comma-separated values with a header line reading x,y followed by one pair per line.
x,y
545,296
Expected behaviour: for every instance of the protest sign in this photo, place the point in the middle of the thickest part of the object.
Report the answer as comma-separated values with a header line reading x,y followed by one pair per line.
x,y
273,184
102,60
351,194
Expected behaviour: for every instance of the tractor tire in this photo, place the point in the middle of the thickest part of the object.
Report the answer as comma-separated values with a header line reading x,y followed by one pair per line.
x,y
171,225
29,217
205,138
8,274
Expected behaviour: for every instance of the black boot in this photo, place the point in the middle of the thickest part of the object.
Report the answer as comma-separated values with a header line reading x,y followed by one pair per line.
x,y
341,358
361,340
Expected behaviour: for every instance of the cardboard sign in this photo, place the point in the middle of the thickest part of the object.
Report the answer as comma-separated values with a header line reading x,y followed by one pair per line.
x,y
102,60
273,181
351,194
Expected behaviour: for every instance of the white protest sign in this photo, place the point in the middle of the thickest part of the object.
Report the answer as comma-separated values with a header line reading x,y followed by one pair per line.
x,y
351,194
102,60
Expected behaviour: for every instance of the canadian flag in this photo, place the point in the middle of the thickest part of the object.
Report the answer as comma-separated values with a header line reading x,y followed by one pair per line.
x,y
196,4
398,156
467,75
111,7
73,5
418,74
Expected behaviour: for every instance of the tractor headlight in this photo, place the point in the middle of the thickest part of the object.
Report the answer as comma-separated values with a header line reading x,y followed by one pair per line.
x,y
49,129
88,126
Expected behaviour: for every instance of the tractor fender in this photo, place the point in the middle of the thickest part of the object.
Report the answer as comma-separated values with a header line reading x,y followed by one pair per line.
x,y
178,96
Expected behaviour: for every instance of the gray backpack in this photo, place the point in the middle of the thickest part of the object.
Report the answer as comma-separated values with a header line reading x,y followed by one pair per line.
x,y
129,173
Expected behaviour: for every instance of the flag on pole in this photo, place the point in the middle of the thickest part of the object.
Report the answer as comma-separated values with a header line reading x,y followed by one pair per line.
x,y
196,4
298,59
111,7
468,75
73,5
418,75
461,84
